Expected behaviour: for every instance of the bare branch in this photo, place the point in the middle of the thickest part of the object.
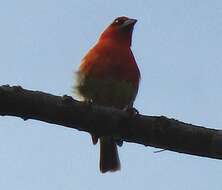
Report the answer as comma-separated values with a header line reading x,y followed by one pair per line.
x,y
156,131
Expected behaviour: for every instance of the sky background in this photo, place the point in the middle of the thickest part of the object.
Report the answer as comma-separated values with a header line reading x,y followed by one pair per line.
x,y
177,45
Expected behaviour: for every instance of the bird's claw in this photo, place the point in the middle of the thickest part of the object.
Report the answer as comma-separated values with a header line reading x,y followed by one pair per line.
x,y
67,99
131,111
94,139
119,142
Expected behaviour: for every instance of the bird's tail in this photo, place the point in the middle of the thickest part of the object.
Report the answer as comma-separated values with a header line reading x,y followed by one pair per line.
x,y
109,158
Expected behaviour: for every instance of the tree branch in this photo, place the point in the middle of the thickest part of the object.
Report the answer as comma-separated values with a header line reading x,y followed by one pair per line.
x,y
156,131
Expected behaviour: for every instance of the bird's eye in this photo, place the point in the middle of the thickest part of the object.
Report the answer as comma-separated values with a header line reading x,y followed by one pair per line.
x,y
118,21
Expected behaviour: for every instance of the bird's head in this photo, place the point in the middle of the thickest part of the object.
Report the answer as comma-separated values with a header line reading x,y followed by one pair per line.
x,y
120,31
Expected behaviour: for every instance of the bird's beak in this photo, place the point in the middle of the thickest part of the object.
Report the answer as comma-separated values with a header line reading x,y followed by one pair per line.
x,y
129,22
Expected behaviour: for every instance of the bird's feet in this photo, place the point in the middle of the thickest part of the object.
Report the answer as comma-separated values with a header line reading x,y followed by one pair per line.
x,y
88,103
119,142
67,99
131,111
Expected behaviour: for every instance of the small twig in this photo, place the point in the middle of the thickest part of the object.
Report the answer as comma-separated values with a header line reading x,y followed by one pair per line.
x,y
158,151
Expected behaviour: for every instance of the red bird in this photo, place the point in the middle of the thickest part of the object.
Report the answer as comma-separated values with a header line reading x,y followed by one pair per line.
x,y
109,76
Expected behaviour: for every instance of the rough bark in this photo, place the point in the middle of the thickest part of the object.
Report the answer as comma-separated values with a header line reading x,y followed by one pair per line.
x,y
155,131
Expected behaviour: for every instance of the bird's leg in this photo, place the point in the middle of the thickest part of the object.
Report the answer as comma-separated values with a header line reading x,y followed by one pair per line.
x,y
67,99
119,142
88,102
131,111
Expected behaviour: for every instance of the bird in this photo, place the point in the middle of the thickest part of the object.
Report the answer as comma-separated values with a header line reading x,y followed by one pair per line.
x,y
109,76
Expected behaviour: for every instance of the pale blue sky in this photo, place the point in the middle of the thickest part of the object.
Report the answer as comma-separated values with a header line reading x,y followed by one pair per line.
x,y
177,45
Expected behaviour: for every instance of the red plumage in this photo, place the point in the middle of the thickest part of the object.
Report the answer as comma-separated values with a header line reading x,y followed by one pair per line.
x,y
109,76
